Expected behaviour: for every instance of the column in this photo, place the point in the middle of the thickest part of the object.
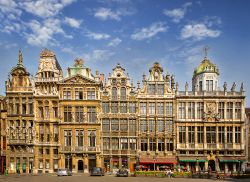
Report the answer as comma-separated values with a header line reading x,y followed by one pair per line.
x,y
111,164
234,167
206,165
120,162
86,163
226,167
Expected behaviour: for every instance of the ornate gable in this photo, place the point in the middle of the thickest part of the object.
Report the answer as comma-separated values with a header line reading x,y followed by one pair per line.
x,y
79,79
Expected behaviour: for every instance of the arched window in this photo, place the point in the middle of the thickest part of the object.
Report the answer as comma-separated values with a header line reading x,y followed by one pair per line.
x,y
92,138
123,93
114,93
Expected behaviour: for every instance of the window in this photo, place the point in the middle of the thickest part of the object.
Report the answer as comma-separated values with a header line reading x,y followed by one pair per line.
x,y
106,144
151,108
200,86
40,112
160,90
40,164
114,125
229,110
66,93
151,89
200,134
55,112
123,125
92,138
200,110
114,93
182,114
144,144
229,134
143,108
91,114
221,133
105,107
144,127
79,138
169,126
169,108
160,126
40,151
132,143
124,143
48,132
161,145
55,132
105,125
78,94
191,134
114,107
67,137
17,108
209,85
170,145
182,134
152,144
152,125
47,151
237,134
46,112
41,133
31,108
79,116
132,125
123,107
123,93
115,144
132,107
238,110
211,134
91,93
24,108
67,114
160,108
191,110
221,110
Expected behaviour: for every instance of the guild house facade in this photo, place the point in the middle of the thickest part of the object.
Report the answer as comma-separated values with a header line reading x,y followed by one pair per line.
x,y
80,120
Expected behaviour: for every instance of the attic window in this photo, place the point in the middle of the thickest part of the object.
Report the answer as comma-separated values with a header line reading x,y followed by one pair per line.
x,y
118,75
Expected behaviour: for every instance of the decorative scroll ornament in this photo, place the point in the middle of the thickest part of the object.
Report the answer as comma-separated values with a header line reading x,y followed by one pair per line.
x,y
211,114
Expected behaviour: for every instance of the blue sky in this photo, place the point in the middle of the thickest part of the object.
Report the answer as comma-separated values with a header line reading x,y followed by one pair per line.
x,y
134,33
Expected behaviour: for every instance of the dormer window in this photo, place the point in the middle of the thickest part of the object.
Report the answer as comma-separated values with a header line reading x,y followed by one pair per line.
x,y
151,89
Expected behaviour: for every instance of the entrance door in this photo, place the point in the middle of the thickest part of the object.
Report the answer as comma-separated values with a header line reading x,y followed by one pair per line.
x,y
211,164
92,164
80,166
68,162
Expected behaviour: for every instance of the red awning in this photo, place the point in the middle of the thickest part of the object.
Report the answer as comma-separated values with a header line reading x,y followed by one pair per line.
x,y
160,160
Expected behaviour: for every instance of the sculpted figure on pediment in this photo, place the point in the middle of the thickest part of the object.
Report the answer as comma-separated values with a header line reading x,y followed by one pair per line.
x,y
211,114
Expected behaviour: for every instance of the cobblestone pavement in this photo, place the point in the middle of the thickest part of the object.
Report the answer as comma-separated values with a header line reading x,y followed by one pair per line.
x,y
87,178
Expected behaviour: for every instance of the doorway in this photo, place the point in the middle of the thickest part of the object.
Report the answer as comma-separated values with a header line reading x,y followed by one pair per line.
x,y
211,164
92,164
80,166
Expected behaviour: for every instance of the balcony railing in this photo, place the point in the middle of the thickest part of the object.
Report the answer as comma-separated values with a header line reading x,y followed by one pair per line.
x,y
21,142
80,149
46,79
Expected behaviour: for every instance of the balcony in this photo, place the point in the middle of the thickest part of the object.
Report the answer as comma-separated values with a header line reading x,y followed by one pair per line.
x,y
211,146
21,142
46,79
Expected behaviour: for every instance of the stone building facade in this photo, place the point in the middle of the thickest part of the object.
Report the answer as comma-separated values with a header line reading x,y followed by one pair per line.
x,y
3,141
81,120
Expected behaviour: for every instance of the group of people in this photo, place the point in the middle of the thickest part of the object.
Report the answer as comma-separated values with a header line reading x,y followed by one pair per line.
x,y
169,173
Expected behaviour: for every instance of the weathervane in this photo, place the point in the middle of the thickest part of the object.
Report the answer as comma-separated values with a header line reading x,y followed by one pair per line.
x,y
206,48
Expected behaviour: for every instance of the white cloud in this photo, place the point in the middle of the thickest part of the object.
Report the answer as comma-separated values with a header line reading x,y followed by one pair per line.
x,y
107,13
98,55
114,42
73,22
45,8
198,31
151,31
9,6
42,33
97,36
178,13
11,27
